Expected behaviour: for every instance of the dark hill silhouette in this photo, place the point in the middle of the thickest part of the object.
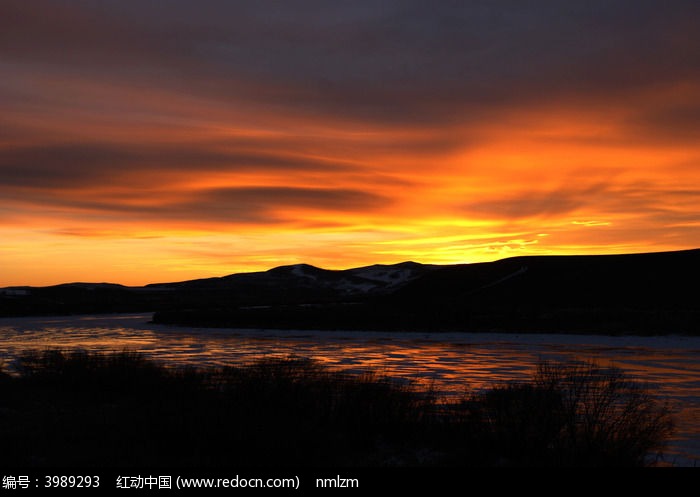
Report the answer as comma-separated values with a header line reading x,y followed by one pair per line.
x,y
629,293
651,292
653,279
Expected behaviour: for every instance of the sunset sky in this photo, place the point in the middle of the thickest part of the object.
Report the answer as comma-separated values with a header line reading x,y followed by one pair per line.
x,y
158,141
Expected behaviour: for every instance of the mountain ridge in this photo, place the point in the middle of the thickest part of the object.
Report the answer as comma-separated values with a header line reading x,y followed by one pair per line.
x,y
649,292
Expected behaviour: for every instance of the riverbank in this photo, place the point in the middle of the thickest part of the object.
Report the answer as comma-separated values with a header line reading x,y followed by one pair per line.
x,y
87,409
450,362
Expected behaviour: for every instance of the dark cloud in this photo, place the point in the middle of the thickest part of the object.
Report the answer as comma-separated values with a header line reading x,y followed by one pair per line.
x,y
60,166
266,204
82,166
233,205
326,198
86,165
417,63
409,61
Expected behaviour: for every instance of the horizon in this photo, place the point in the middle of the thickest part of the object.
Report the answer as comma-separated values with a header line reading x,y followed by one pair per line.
x,y
145,143
95,282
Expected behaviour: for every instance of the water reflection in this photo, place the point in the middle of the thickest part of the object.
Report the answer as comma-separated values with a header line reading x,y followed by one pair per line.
x,y
451,362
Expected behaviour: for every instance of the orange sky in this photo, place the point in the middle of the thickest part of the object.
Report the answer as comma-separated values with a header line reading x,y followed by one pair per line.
x,y
137,147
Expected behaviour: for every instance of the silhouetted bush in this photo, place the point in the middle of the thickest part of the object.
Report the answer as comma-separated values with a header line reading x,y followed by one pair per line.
x,y
608,419
574,414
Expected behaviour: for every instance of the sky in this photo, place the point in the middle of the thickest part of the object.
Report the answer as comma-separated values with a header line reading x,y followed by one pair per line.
x,y
161,141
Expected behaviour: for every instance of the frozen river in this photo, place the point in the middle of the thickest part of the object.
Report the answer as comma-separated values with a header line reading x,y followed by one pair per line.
x,y
452,362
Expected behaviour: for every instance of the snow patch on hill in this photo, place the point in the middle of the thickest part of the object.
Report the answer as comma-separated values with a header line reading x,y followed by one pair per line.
x,y
388,275
302,271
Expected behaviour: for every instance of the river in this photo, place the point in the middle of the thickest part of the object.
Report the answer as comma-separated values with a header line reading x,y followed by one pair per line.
x,y
453,363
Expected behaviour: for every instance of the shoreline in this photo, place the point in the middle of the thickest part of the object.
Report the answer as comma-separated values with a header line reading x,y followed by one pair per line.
x,y
542,338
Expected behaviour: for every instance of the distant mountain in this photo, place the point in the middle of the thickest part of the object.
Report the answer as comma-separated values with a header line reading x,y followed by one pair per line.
x,y
631,293
284,285
303,283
